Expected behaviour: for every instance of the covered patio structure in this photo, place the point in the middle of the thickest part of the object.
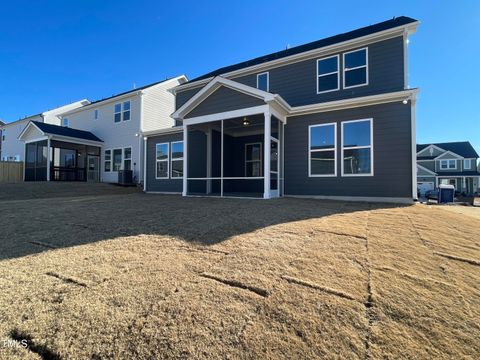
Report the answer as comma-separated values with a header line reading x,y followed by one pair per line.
x,y
233,141
56,153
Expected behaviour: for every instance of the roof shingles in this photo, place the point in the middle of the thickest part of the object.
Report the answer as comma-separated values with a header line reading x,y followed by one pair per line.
x,y
66,131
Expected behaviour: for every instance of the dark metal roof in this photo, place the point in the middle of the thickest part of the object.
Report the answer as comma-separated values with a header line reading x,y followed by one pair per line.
x,y
65,131
462,148
130,91
368,30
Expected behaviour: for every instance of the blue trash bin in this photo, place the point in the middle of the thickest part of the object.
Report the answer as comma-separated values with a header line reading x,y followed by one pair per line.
x,y
446,193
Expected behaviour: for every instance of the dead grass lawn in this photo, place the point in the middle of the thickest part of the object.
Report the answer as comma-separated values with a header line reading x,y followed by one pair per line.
x,y
107,274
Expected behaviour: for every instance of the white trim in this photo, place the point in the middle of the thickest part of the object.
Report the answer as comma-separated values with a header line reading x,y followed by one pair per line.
x,y
252,161
123,158
331,73
323,51
427,170
172,130
344,69
352,102
455,156
145,143
177,159
431,146
163,192
167,160
342,149
219,81
221,157
226,115
42,138
229,178
185,160
266,156
268,80
413,129
448,164
322,150
109,161
48,159
394,200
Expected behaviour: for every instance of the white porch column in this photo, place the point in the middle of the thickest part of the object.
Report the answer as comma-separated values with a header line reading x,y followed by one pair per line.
x,y
185,159
209,160
48,159
464,184
266,150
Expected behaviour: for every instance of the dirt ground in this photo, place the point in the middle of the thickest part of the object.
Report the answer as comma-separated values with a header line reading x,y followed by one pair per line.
x,y
104,272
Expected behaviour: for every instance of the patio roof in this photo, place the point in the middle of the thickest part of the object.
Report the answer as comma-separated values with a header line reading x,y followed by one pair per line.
x,y
56,131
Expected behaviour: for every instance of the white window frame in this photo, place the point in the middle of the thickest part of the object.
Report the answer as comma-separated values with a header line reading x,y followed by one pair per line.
x,y
124,158
355,68
113,160
334,72
322,150
172,159
448,166
117,112
469,161
109,161
268,80
167,160
251,161
65,121
95,114
129,110
357,147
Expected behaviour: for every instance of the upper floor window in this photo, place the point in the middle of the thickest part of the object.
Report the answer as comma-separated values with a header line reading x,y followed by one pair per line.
x,y
357,148
122,111
328,78
322,150
65,122
355,68
448,164
177,159
467,164
263,81
95,114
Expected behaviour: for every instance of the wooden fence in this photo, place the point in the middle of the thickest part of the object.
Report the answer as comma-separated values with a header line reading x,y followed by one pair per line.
x,y
11,171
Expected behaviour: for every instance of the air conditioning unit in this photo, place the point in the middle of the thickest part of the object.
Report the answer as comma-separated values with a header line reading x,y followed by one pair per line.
x,y
125,177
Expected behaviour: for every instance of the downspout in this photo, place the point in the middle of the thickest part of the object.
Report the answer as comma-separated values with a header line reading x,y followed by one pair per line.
x,y
414,146
145,140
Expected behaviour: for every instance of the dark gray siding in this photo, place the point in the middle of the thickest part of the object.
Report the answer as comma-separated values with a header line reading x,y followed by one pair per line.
x,y
297,83
161,185
183,96
392,154
224,99
430,165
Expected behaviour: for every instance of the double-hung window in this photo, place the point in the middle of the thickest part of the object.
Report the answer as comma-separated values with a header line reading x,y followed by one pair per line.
x,y
127,158
161,160
322,160
177,159
467,164
121,112
117,159
357,148
355,68
449,164
108,160
263,81
95,114
253,160
328,78
65,122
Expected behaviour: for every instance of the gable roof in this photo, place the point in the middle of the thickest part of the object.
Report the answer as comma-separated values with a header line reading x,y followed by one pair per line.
x,y
462,148
332,40
219,81
63,131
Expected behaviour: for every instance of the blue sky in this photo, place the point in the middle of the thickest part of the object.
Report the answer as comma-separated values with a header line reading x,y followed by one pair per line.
x,y
56,52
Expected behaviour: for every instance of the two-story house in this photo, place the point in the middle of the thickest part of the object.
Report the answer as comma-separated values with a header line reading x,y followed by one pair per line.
x,y
453,163
95,141
12,147
334,118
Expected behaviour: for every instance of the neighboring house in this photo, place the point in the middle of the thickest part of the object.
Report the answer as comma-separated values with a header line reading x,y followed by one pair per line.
x,y
334,118
454,163
1,137
12,148
94,142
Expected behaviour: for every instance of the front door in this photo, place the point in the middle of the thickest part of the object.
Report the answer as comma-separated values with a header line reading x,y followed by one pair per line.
x,y
93,168
274,168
